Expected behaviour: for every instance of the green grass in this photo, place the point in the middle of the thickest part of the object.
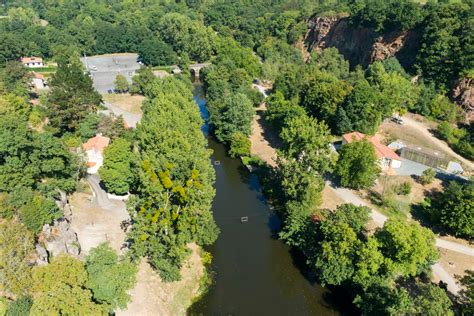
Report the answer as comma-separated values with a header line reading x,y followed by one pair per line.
x,y
44,69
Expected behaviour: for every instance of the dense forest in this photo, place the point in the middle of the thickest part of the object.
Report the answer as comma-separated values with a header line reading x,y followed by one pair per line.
x,y
165,163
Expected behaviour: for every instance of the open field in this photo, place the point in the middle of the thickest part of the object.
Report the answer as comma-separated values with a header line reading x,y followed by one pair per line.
x,y
152,296
125,101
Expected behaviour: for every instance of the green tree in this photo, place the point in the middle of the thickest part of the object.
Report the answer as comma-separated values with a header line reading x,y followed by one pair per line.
x,y
121,84
142,80
157,53
20,306
16,247
116,172
308,141
456,208
323,94
335,254
72,96
279,109
433,300
467,295
38,212
109,277
409,246
360,111
236,115
60,289
380,299
239,145
427,176
358,165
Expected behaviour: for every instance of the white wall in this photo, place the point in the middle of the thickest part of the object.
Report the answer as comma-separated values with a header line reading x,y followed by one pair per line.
x,y
94,156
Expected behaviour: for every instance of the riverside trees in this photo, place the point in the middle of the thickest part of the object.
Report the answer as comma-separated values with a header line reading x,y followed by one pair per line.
x,y
174,179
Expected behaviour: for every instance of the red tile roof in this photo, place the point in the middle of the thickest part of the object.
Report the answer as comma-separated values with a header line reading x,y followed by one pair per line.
x,y
381,150
98,143
26,60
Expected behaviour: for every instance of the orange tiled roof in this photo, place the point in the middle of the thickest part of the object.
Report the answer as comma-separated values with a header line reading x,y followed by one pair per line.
x,y
26,60
98,143
381,150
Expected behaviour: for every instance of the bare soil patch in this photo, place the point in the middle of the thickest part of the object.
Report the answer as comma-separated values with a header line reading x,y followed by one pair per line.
x,y
125,101
455,263
95,225
152,296
264,140
330,199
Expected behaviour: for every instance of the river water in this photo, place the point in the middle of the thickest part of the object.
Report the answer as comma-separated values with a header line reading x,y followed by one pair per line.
x,y
256,274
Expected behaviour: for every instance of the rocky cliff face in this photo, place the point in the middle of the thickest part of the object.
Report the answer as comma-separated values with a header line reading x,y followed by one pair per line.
x,y
361,45
463,94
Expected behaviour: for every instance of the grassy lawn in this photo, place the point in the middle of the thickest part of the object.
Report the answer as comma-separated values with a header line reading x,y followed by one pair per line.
x,y
125,101
385,198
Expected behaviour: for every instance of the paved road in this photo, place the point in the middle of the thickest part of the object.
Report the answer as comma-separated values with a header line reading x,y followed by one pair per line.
x,y
99,194
349,197
423,129
130,118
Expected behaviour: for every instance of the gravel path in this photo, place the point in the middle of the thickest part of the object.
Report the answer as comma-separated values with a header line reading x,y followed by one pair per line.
x,y
438,271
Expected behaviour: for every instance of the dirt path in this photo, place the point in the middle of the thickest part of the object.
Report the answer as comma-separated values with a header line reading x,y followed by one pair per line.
x,y
424,130
264,142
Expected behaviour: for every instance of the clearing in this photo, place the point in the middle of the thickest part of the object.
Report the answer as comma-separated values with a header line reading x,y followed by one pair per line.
x,y
263,140
152,296
416,131
125,101
96,219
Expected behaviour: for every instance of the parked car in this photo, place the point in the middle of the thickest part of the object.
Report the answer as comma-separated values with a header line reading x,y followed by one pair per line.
x,y
93,68
398,120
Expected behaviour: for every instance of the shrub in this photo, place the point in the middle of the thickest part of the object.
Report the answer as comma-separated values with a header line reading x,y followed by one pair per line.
x,y
39,211
20,307
403,189
427,176
239,145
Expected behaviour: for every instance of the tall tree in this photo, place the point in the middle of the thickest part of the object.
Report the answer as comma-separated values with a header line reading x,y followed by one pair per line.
x,y
60,289
72,96
109,277
358,165
16,247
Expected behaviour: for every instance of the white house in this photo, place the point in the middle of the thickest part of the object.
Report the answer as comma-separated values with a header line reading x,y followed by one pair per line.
x,y
387,157
94,148
32,62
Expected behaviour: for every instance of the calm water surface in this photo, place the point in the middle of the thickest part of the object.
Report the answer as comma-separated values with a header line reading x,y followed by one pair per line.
x,y
256,274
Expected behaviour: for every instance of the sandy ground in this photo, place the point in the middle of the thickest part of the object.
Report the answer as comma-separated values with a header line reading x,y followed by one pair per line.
x,y
263,144
95,225
151,296
416,131
125,101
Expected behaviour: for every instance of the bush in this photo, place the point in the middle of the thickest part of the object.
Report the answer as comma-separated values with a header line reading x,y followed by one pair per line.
x,y
20,307
427,176
38,212
403,189
239,145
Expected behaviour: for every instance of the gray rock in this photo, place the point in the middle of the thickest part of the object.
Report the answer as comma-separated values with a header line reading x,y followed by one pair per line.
x,y
59,238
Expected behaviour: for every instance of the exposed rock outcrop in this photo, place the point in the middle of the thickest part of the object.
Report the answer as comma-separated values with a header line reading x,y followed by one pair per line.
x,y
463,94
361,45
56,239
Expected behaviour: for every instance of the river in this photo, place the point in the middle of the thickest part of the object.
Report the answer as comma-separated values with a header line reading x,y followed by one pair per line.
x,y
256,274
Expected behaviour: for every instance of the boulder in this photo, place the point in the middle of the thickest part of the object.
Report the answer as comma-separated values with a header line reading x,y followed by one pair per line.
x,y
58,238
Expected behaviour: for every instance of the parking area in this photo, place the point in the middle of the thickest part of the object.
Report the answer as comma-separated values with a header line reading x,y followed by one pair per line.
x,y
105,68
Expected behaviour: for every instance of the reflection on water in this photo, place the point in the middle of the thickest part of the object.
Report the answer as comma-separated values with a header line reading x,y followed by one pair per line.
x,y
256,274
